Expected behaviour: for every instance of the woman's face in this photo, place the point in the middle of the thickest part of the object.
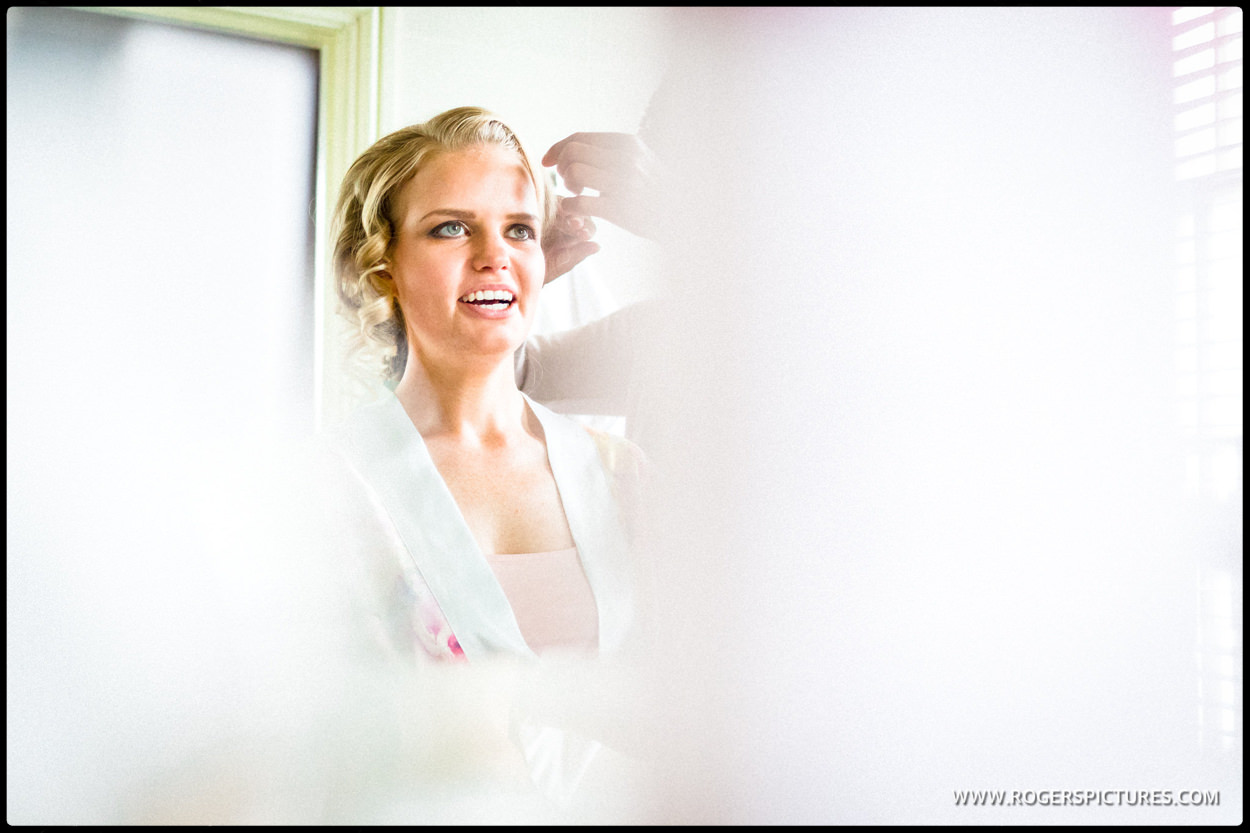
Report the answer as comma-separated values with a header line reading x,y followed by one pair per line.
x,y
466,257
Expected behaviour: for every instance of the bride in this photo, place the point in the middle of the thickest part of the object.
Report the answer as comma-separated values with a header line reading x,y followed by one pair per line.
x,y
495,525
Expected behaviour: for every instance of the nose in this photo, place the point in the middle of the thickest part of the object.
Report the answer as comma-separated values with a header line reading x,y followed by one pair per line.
x,y
491,253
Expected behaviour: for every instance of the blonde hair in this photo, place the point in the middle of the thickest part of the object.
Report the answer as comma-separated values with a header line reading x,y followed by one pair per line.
x,y
364,224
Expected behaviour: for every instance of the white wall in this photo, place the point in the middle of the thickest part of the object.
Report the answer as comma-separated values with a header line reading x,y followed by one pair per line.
x,y
547,71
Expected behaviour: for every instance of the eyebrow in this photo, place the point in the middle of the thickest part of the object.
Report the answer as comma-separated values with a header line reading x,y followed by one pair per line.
x,y
469,215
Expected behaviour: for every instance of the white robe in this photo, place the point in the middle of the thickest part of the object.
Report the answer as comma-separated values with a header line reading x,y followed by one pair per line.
x,y
430,593
433,544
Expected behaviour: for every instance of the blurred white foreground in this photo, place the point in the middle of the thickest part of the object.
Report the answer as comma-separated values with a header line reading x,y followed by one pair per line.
x,y
918,510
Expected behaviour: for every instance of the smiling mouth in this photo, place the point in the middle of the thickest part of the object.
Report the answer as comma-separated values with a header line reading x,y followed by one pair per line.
x,y
496,299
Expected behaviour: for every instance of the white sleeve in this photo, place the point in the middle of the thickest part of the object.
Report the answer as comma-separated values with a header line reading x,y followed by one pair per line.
x,y
586,370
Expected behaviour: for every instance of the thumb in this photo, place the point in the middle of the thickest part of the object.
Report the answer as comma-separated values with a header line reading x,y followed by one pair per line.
x,y
582,204
553,153
610,208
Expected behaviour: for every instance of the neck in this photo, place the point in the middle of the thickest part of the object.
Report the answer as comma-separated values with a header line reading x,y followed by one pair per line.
x,y
468,403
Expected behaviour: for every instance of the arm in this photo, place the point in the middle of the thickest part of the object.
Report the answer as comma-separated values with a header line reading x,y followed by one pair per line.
x,y
586,370
590,369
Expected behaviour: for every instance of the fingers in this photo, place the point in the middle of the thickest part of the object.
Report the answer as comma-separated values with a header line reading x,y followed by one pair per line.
x,y
568,242
606,208
553,152
578,176
581,227
571,223
580,206
619,167
602,161
608,142
606,156
566,257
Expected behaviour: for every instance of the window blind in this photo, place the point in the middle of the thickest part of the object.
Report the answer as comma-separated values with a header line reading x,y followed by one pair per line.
x,y
1207,71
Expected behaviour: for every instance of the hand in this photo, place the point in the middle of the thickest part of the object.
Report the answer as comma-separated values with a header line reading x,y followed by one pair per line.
x,y
621,168
566,242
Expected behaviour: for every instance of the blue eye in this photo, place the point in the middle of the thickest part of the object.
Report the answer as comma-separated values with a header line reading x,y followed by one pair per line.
x,y
453,228
522,232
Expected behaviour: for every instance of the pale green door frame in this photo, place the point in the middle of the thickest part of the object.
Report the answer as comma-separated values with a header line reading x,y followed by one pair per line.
x,y
348,40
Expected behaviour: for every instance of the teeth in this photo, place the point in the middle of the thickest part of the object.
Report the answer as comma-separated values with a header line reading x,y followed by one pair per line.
x,y
502,295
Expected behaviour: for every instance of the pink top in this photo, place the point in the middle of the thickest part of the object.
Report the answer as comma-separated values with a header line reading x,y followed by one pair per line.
x,y
550,598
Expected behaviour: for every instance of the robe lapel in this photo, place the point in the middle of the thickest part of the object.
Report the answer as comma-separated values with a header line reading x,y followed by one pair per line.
x,y
594,519
389,451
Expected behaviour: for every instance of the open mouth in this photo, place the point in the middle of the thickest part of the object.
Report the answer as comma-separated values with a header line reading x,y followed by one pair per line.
x,y
495,299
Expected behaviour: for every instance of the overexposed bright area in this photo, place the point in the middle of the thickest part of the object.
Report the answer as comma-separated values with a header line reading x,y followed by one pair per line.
x,y
159,341
944,407
971,508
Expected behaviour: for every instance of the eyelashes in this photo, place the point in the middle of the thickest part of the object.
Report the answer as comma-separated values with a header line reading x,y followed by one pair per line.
x,y
455,230
449,231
